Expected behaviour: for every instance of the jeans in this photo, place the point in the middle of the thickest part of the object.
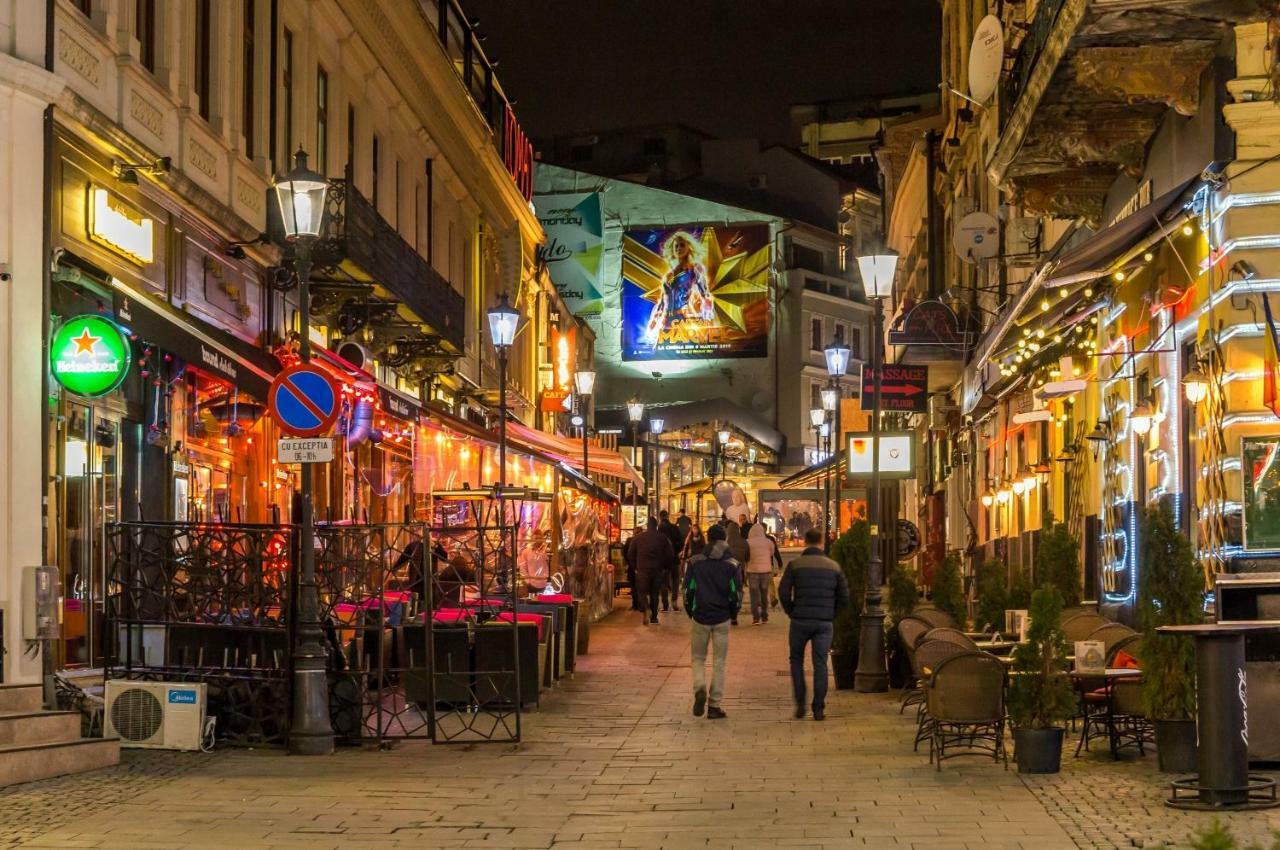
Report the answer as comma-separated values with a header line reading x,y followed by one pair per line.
x,y
718,635
649,581
758,584
673,576
802,632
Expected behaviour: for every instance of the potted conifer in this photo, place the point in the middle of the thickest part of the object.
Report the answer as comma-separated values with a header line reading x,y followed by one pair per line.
x,y
1170,593
993,595
904,593
948,590
852,551
1040,695
1057,563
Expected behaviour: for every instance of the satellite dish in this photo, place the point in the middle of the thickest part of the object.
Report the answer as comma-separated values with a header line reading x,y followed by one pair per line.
x,y
986,56
977,237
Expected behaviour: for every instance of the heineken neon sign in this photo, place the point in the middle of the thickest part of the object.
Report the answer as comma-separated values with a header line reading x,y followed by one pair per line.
x,y
89,355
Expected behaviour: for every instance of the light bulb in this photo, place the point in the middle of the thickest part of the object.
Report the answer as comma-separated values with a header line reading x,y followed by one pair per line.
x,y
987,499
1187,230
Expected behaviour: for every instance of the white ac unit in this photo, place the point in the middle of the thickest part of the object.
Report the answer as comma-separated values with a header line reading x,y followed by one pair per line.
x,y
941,411
155,715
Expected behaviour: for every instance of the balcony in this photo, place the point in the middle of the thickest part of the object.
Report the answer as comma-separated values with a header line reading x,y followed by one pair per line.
x,y
1090,84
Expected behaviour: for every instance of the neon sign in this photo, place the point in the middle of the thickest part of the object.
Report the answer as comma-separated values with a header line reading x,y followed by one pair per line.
x,y
116,226
89,355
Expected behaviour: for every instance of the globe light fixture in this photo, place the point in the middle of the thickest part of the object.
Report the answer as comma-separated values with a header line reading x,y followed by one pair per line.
x,y
1003,495
1195,385
724,435
1019,487
1141,419
656,425
829,398
987,499
817,416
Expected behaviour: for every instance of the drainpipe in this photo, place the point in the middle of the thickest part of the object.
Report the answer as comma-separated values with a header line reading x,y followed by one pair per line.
x,y
932,213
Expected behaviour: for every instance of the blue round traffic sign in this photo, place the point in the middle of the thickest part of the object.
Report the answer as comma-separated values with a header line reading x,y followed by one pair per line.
x,y
304,401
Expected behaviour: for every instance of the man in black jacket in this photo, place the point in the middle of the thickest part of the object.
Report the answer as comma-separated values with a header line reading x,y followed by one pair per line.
x,y
813,590
653,556
672,579
712,594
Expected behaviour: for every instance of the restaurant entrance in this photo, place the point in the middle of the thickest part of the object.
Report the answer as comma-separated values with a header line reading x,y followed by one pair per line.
x,y
92,454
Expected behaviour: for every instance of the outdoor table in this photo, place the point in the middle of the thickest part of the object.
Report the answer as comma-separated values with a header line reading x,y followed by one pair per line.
x,y
996,647
1222,723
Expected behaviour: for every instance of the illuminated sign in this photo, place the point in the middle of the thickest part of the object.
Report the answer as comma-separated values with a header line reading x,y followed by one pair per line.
x,y
89,355
897,454
564,358
119,228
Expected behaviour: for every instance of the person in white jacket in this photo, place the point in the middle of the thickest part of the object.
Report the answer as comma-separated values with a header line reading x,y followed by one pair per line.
x,y
764,555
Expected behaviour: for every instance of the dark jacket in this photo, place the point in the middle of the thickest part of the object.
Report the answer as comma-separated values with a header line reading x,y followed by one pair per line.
x,y
673,533
651,551
813,587
712,590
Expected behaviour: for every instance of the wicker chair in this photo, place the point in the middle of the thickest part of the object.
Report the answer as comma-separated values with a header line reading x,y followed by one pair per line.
x,y
1131,645
955,636
934,617
965,702
1081,626
1128,725
1110,635
929,656
911,630
1115,712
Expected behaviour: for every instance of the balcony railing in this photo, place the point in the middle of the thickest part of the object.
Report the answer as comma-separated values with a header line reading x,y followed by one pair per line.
x,y
1041,25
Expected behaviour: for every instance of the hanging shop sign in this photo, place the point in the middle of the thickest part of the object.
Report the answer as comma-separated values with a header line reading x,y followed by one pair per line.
x,y
930,323
902,389
304,400
113,224
908,539
897,454
564,360
89,355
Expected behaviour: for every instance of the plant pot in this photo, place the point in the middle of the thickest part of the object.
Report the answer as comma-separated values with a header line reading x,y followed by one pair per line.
x,y
1038,750
844,665
1176,748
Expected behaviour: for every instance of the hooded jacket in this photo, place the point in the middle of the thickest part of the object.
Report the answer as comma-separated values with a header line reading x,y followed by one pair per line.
x,y
763,551
712,592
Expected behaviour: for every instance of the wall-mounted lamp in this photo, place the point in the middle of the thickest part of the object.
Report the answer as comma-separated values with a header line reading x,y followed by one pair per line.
x,y
1141,419
1195,384
127,172
1099,437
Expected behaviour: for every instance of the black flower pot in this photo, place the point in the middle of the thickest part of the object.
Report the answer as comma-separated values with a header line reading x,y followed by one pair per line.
x,y
1176,749
844,665
1038,750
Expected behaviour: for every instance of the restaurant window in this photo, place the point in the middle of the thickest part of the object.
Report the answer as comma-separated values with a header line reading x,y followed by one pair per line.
x,y
246,73
322,121
204,45
375,171
815,334
146,30
286,81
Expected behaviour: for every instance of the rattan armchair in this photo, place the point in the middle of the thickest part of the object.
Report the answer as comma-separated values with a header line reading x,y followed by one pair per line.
x,y
965,702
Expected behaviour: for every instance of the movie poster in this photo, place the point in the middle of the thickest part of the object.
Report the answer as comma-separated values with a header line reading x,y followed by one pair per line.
x,y
574,246
695,292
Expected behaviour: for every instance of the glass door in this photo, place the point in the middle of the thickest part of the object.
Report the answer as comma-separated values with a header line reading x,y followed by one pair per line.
x,y
89,498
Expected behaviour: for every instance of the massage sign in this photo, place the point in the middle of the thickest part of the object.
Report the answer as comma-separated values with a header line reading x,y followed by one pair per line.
x,y
89,355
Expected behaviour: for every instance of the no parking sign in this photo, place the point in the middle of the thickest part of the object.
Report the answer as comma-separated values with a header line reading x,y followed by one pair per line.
x,y
304,401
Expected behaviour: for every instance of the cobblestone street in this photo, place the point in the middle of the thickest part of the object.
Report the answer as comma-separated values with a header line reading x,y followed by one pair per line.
x,y
614,759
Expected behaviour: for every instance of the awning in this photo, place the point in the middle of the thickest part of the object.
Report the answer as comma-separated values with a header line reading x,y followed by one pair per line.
x,y
207,348
806,477
569,451
707,412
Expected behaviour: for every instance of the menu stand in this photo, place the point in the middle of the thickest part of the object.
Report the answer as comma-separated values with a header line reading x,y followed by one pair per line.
x,y
1222,724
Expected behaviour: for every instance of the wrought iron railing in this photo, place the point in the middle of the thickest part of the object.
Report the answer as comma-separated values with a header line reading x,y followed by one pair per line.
x,y
1041,25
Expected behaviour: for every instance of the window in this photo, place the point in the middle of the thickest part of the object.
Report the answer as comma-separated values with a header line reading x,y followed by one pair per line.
x,y
375,172
146,30
351,136
85,6
855,342
247,116
204,44
804,257
286,80
322,120
838,333
815,395
815,334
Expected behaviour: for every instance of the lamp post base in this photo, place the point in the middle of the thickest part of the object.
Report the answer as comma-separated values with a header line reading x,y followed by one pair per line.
x,y
872,675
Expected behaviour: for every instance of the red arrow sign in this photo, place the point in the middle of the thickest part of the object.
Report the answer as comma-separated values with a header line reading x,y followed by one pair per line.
x,y
903,389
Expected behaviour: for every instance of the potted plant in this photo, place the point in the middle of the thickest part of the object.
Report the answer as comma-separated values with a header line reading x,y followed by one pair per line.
x,y
1057,563
1170,593
948,590
1040,695
852,551
993,595
904,593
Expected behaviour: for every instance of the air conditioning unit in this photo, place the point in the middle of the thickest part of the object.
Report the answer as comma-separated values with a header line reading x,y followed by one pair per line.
x,y
155,715
941,411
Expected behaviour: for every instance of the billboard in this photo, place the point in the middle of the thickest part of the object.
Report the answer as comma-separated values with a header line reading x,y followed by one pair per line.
x,y
695,292
575,243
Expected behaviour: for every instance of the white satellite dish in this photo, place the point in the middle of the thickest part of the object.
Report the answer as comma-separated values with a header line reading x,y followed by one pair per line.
x,y
977,237
986,57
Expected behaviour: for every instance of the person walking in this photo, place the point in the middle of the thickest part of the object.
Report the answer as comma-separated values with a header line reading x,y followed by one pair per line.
x,y
652,553
672,578
684,523
741,553
813,590
763,555
712,593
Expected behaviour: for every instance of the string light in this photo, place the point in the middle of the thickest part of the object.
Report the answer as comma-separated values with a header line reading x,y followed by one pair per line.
x,y
1187,229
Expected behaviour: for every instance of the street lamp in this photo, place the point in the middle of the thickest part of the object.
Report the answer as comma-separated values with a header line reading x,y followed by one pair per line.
x,y
584,381
872,675
1195,384
722,438
831,409
635,412
1141,418
300,196
656,425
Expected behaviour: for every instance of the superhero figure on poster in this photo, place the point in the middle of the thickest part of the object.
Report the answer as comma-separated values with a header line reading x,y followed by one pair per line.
x,y
686,293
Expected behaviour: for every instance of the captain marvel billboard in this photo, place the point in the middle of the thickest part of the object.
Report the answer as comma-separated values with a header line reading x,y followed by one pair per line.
x,y
695,292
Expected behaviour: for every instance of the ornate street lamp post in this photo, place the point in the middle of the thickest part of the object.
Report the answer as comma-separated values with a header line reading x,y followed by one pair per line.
x,y
656,425
584,381
872,675
831,419
635,412
300,195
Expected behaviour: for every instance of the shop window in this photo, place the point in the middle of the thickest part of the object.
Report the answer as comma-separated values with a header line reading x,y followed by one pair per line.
x,y
1261,493
145,12
247,92
322,121
204,65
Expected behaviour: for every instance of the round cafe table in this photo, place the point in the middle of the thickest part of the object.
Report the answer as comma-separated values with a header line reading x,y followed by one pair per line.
x,y
1222,724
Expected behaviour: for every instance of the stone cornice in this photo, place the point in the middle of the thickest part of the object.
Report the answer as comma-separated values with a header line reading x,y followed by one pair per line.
x,y
30,80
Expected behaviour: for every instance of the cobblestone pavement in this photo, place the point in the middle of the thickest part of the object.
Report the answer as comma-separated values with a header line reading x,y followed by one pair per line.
x,y
614,760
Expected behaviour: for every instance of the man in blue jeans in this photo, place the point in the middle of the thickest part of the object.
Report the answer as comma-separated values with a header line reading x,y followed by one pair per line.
x,y
812,591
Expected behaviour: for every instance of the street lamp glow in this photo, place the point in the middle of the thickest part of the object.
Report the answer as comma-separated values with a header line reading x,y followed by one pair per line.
x,y
584,381
656,425
837,355
724,436
877,274
987,499
1195,385
817,416
1004,495
1140,419
300,194
1019,487
829,398
503,321
635,410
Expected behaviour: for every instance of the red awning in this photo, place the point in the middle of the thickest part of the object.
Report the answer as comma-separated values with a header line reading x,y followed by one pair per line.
x,y
569,451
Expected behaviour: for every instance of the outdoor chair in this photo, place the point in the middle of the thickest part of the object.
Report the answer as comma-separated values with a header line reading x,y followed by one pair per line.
x,y
935,618
1081,626
1127,722
910,630
929,656
1097,703
955,636
1130,644
965,701
1110,635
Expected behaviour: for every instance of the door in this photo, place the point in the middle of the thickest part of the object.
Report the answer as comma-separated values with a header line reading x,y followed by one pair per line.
x,y
89,499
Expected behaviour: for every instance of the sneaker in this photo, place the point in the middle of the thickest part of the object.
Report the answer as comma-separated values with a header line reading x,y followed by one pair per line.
x,y
819,714
765,618
715,712
755,621
699,701
653,621
799,715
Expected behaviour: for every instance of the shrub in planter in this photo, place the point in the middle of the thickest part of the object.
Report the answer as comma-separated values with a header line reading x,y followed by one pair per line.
x,y
1020,590
948,590
993,595
1170,593
904,594
1040,695
1057,563
852,551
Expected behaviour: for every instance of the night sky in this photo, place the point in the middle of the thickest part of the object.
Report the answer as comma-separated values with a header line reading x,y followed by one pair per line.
x,y
729,67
